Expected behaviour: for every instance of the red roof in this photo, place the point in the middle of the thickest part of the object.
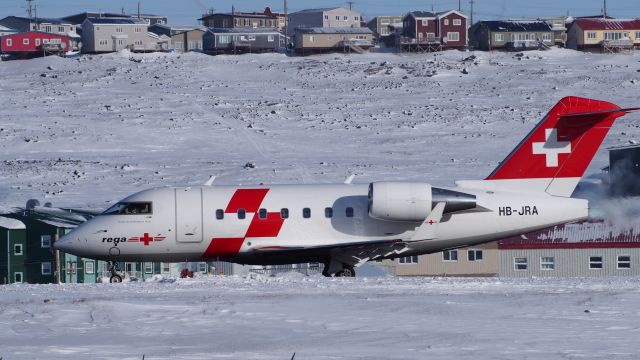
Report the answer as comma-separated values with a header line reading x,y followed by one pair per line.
x,y
608,24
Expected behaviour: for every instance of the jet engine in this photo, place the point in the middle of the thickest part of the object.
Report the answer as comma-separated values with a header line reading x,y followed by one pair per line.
x,y
413,201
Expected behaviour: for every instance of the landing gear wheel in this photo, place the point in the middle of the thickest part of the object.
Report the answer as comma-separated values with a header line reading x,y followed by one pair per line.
x,y
347,271
113,268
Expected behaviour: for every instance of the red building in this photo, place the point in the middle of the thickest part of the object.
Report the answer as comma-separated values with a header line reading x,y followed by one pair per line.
x,y
446,30
36,43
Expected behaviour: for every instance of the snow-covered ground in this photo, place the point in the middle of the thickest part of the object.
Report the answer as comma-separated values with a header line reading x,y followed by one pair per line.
x,y
88,131
320,318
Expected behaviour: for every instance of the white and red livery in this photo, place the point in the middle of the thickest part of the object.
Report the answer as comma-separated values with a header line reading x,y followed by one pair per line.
x,y
345,225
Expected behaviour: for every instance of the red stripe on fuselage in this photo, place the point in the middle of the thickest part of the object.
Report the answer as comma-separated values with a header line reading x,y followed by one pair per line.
x,y
269,227
223,247
247,199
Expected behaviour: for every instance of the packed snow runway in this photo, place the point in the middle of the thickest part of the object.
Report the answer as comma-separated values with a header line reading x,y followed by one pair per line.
x,y
319,318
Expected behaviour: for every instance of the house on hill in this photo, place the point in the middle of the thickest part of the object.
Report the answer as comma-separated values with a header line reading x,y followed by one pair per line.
x,y
101,35
238,41
427,31
511,35
36,44
320,40
604,35
325,18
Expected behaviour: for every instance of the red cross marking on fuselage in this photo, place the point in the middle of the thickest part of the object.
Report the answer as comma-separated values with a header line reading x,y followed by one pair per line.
x,y
146,238
431,222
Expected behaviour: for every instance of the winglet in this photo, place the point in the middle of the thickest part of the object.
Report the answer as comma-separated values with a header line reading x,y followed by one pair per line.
x,y
209,182
349,179
428,228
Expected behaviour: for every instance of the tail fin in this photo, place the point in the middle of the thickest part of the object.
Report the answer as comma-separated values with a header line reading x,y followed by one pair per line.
x,y
555,154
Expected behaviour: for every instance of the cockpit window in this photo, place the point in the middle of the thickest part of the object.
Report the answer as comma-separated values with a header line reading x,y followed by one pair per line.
x,y
129,208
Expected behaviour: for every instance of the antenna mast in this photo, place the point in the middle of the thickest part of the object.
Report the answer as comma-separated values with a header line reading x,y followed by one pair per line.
x,y
471,2
351,4
605,9
30,9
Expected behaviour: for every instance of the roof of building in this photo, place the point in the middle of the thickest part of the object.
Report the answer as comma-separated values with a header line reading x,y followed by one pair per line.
x,y
243,31
317,10
118,21
608,24
335,30
39,20
422,14
11,224
239,14
516,25
588,234
6,29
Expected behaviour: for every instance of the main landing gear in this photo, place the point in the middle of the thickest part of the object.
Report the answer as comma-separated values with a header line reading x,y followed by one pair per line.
x,y
347,271
115,276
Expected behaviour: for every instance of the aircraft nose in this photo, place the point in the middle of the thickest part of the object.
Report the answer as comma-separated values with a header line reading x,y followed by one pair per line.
x,y
69,244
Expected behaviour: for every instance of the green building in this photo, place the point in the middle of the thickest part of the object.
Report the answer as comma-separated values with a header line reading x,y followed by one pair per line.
x,y
13,249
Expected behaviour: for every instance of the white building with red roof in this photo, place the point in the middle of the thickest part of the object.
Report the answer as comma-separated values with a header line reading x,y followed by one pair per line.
x,y
602,34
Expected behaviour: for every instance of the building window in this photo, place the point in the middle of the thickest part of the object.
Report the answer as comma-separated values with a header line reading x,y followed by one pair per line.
x,y
446,21
457,22
498,37
306,213
326,17
520,263
166,267
345,18
138,29
222,39
45,268
408,260
17,277
612,35
61,29
546,37
17,249
450,255
328,212
246,22
242,213
637,35
453,36
262,214
25,41
119,29
45,241
47,28
202,267
9,42
338,17
595,262
547,263
474,255
219,214
349,211
252,38
624,262
425,22
284,213
236,22
270,38
37,42
89,267
148,268
311,38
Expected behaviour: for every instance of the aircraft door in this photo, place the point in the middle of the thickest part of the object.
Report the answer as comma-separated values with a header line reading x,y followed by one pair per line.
x,y
189,215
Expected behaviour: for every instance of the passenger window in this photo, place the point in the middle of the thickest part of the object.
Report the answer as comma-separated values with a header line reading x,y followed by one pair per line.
x,y
306,213
262,213
242,213
328,212
284,213
349,211
219,214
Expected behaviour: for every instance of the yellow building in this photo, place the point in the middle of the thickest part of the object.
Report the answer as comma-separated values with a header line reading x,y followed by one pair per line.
x,y
604,35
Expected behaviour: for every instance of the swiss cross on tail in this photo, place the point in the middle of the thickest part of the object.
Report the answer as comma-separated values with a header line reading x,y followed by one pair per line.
x,y
555,155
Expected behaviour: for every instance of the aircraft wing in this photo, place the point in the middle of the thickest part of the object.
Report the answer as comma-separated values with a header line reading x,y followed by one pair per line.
x,y
354,253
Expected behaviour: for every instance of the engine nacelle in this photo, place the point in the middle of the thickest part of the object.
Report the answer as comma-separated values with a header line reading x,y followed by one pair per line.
x,y
413,201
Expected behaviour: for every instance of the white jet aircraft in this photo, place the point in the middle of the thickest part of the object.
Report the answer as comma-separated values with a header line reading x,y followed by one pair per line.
x,y
346,225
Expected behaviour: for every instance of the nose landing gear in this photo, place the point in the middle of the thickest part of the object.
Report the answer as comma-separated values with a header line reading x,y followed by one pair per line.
x,y
115,276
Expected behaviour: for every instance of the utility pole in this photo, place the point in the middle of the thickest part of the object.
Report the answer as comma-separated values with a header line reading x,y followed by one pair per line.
x,y
460,5
286,24
30,9
471,2
605,9
351,4
138,9
57,261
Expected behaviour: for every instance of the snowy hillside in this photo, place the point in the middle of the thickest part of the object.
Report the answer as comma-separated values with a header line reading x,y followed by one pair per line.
x,y
323,319
91,130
